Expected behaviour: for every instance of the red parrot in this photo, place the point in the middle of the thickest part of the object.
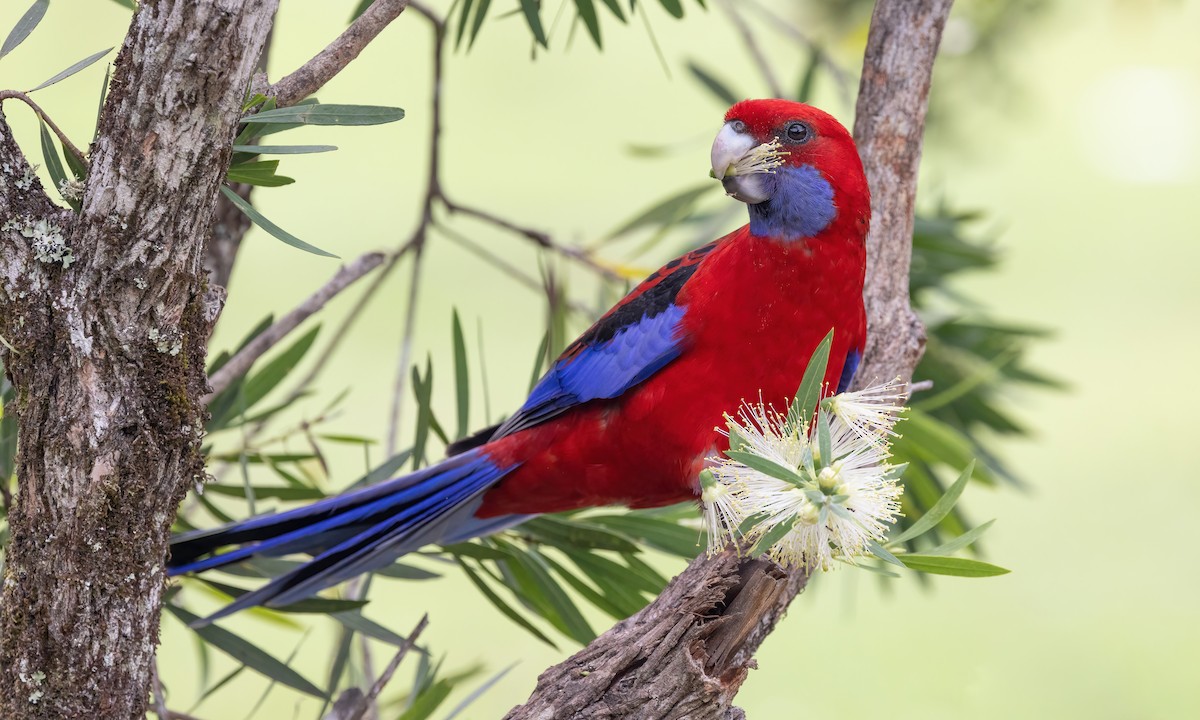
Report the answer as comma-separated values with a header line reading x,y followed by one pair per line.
x,y
629,412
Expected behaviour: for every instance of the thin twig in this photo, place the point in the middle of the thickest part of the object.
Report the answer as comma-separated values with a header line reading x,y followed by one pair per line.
x,y
540,238
240,363
312,75
433,192
156,688
66,141
751,43
841,77
506,267
388,671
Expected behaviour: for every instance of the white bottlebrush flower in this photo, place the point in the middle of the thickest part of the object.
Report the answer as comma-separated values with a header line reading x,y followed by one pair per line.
x,y
774,485
871,412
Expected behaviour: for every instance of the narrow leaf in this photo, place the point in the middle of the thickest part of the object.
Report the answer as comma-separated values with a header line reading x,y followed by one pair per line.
x,y
587,13
462,381
316,114
532,10
960,542
480,14
939,510
283,149
675,7
614,6
809,392
719,89
767,467
245,652
24,26
258,219
73,69
53,164
962,567
882,553
259,172
502,606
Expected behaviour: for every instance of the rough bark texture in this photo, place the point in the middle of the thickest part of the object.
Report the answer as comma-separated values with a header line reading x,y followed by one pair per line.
x,y
108,361
686,654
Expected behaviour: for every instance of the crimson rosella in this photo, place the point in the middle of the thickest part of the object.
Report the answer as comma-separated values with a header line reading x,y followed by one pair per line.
x,y
629,412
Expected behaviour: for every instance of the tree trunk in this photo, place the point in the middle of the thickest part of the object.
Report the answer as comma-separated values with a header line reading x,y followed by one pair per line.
x,y
106,315
685,655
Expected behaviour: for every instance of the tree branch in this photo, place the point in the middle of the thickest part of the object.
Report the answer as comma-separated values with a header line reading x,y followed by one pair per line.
x,y
312,76
62,136
687,653
240,363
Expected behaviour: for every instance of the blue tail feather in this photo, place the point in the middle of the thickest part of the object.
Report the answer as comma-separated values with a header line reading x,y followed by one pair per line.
x,y
353,533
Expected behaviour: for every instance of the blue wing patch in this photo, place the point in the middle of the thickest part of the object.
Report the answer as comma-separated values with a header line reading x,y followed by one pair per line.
x,y
602,370
853,358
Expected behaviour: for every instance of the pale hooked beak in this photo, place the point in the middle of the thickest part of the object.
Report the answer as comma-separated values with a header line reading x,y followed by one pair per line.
x,y
742,165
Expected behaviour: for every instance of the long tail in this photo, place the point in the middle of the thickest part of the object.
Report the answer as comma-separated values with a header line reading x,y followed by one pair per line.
x,y
352,533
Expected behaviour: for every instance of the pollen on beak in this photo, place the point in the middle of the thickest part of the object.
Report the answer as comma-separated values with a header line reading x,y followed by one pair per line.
x,y
741,164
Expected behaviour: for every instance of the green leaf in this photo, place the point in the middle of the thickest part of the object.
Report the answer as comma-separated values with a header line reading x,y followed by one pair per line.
x,y
824,438
316,114
400,571
53,165
960,542
477,692
263,492
73,69
539,360
464,14
355,620
24,26
257,172
614,6
385,471
462,380
532,10
767,467
719,89
474,550
502,606
939,442
274,372
536,583
770,537
245,652
882,553
940,509
74,164
621,585
675,7
588,592
258,219
427,701
809,392
480,14
587,13
283,149
660,534
962,567
337,667
809,77
423,391
575,533
665,212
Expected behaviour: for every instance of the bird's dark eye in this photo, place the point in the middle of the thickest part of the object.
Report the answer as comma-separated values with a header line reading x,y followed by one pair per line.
x,y
798,132
738,126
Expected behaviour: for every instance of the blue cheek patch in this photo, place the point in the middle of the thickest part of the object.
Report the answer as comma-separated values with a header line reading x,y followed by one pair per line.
x,y
801,205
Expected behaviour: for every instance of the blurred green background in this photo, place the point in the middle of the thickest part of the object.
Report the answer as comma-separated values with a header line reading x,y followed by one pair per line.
x,y
1074,130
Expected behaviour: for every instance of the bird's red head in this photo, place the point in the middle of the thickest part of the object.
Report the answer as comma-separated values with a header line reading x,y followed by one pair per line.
x,y
794,165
